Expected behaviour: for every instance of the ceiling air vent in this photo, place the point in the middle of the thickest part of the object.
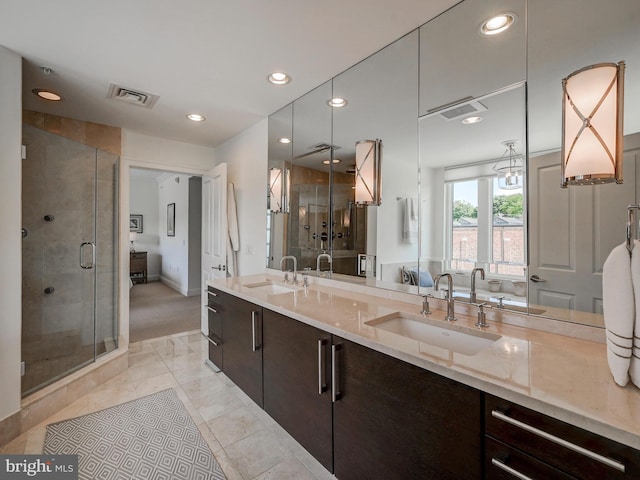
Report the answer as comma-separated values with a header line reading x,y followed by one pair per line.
x,y
133,97
317,148
460,108
320,147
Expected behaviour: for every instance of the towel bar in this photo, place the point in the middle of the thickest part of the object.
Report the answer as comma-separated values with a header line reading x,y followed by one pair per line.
x,y
631,221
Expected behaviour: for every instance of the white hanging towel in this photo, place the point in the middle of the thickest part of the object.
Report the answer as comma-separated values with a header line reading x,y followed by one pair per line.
x,y
233,242
634,369
409,221
619,312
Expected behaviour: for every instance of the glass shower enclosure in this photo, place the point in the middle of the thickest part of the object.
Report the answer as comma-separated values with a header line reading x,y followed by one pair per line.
x,y
69,256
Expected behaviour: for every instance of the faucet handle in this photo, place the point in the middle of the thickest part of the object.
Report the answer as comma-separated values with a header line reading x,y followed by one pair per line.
x,y
482,316
500,304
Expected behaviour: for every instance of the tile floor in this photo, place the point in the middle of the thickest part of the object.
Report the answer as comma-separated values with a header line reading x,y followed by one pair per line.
x,y
245,440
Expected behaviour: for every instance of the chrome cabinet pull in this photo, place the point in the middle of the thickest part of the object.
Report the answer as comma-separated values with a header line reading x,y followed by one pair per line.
x,y
335,368
254,331
88,266
536,279
215,342
560,441
209,292
211,309
322,386
508,469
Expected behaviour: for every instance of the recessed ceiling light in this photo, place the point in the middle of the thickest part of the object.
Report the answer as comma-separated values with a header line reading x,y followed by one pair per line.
x,y
471,120
335,160
195,117
279,78
284,140
498,23
337,102
47,94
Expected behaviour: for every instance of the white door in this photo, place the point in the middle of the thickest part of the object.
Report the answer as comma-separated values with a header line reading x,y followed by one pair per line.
x,y
214,232
572,231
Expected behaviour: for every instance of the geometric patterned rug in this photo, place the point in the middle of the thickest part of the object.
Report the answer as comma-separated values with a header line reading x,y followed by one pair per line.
x,y
152,437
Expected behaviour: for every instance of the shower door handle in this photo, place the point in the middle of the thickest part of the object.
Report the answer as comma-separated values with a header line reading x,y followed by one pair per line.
x,y
88,266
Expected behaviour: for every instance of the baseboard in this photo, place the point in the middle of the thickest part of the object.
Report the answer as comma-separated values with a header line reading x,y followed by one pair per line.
x,y
194,291
187,292
171,284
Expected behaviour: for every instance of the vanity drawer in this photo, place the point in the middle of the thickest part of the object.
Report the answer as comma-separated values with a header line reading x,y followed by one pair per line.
x,y
568,448
219,300
505,463
215,309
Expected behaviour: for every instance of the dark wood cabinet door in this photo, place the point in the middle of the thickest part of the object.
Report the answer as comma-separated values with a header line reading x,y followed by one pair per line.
x,y
242,344
296,369
394,420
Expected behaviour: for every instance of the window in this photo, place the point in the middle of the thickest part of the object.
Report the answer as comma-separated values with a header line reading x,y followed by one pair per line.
x,y
485,227
508,231
464,225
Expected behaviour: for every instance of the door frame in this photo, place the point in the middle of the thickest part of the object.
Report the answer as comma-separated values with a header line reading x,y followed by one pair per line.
x,y
124,205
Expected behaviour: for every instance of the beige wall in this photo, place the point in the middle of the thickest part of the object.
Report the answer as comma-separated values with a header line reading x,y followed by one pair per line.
x,y
10,238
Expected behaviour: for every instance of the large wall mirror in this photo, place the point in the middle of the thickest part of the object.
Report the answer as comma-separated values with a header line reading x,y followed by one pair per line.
x,y
313,211
486,194
573,230
472,152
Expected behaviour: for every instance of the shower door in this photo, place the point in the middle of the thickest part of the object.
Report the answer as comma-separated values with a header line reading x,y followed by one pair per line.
x,y
69,279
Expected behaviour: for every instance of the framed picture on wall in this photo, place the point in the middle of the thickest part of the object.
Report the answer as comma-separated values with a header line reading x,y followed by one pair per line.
x,y
171,220
135,223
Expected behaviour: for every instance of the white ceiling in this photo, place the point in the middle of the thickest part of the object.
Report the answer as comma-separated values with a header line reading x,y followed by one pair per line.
x,y
206,56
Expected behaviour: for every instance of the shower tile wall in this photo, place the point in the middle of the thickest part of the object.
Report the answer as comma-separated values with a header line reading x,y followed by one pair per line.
x,y
309,217
102,137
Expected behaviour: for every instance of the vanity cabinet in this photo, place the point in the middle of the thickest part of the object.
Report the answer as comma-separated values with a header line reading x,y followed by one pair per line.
x,y
214,319
296,367
394,420
241,342
365,414
523,442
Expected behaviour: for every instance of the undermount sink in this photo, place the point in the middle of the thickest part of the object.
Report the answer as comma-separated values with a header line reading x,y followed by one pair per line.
x,y
268,286
466,341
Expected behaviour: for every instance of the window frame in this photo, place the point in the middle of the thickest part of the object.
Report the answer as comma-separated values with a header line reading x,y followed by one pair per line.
x,y
485,259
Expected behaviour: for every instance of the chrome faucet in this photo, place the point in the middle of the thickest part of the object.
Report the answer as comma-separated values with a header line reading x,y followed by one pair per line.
x,y
295,268
472,294
320,257
449,298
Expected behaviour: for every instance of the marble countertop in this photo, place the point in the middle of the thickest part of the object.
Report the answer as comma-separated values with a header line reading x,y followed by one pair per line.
x,y
561,376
